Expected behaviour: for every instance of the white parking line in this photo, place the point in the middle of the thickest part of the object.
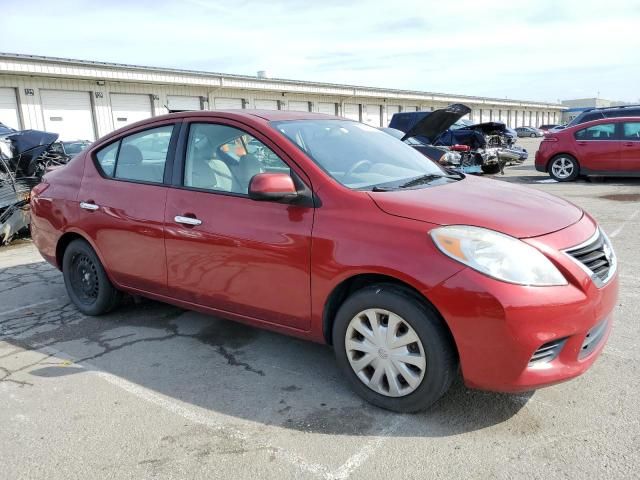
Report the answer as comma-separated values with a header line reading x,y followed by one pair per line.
x,y
362,455
192,414
26,307
618,230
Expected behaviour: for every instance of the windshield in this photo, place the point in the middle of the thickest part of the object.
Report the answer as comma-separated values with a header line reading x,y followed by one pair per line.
x,y
74,148
462,123
356,155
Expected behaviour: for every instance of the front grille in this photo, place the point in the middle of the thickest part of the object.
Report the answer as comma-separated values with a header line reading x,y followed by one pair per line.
x,y
593,339
596,256
547,352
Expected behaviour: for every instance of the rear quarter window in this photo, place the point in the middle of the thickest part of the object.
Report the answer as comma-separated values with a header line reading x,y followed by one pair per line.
x,y
107,158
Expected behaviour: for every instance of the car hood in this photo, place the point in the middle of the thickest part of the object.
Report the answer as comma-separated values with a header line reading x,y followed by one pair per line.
x,y
437,122
517,211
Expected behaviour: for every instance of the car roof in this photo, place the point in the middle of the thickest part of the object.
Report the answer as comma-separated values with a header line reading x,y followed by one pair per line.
x,y
615,107
249,115
598,121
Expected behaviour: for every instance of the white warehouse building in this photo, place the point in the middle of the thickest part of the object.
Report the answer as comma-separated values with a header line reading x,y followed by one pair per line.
x,y
84,100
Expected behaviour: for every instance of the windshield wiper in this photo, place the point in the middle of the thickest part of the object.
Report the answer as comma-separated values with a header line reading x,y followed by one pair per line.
x,y
383,189
422,179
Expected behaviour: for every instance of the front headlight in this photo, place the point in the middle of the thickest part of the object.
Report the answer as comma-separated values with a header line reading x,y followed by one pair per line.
x,y
451,158
497,255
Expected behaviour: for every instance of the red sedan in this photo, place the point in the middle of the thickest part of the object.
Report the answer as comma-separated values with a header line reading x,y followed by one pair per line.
x,y
605,147
330,230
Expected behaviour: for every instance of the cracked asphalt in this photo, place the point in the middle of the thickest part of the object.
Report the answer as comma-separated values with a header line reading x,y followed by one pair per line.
x,y
153,391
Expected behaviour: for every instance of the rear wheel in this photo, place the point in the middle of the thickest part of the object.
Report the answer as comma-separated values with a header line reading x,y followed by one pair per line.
x,y
394,350
86,281
564,168
533,135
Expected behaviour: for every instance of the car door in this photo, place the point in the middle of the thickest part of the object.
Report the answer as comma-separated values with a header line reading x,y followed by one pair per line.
x,y
598,148
226,251
122,200
630,150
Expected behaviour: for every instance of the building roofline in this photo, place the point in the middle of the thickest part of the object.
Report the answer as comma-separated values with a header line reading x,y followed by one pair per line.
x,y
353,90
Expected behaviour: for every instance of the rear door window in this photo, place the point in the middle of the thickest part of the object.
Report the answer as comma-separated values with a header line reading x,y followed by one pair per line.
x,y
142,156
631,131
139,157
605,131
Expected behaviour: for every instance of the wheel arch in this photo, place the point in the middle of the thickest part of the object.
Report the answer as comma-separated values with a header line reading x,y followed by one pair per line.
x,y
69,236
358,281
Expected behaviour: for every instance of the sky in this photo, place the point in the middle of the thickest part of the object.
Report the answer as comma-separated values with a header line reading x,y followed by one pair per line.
x,y
535,50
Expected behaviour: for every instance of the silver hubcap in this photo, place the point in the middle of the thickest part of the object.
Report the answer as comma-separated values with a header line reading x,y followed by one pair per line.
x,y
562,167
385,352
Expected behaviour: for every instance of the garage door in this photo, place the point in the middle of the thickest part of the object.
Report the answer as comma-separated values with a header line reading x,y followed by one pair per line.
x,y
266,104
327,108
9,108
411,108
372,115
391,111
128,108
299,106
351,111
68,114
180,103
228,103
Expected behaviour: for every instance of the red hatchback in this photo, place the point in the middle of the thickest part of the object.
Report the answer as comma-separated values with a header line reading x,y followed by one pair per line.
x,y
333,231
605,147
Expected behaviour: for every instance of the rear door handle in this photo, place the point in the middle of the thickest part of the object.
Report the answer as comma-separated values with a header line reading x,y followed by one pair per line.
x,y
628,144
187,220
582,143
89,206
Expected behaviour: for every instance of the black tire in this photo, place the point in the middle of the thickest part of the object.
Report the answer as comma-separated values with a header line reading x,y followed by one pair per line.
x,y
439,349
568,159
87,283
533,135
491,169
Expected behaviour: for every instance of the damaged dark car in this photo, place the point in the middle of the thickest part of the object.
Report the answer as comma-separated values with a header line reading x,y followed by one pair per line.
x,y
476,148
24,158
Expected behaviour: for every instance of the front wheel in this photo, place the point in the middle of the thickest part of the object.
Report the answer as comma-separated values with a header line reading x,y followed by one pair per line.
x,y
395,350
533,135
491,169
564,168
86,281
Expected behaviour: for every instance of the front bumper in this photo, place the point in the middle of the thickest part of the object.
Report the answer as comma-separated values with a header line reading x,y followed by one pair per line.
x,y
498,327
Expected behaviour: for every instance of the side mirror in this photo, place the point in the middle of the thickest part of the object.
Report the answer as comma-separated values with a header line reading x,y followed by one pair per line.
x,y
272,186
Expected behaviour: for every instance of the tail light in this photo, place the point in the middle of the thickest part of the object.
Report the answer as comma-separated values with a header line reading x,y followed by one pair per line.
x,y
39,189
460,148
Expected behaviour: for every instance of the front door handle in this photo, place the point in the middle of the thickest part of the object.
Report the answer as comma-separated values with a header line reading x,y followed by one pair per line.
x,y
628,144
89,206
582,143
187,220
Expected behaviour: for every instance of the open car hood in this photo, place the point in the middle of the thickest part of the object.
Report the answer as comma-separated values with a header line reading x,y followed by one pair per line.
x,y
437,122
26,147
